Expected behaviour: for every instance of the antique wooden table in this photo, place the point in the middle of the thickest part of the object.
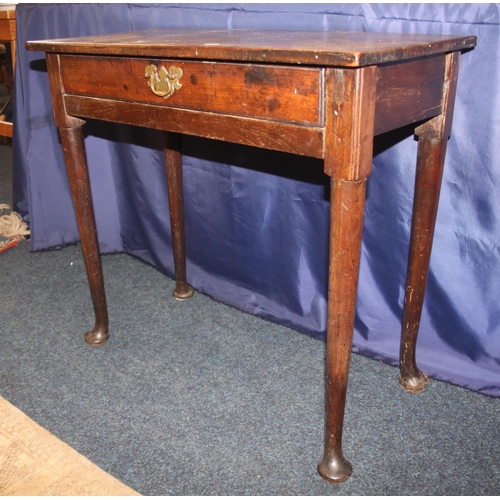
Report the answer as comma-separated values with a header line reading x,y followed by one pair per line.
x,y
319,94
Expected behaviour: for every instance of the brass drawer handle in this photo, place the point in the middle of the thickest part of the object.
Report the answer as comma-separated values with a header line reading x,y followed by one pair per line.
x,y
163,83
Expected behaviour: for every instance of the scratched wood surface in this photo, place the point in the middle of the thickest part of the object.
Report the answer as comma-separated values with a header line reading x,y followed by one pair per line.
x,y
350,87
274,92
226,102
292,47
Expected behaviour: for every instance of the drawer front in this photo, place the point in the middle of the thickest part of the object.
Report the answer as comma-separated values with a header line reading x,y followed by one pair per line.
x,y
279,93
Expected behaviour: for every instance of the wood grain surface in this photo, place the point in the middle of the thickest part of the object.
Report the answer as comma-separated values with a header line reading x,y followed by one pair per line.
x,y
34,462
291,47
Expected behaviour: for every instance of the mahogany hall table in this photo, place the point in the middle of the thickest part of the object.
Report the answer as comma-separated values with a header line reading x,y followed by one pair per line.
x,y
319,94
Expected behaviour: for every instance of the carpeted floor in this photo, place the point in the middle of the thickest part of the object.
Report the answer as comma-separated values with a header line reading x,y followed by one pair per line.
x,y
197,398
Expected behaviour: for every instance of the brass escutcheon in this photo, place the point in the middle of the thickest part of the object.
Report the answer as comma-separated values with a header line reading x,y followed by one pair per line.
x,y
163,83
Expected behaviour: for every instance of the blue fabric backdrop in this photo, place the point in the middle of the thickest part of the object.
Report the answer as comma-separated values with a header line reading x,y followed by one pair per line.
x,y
257,221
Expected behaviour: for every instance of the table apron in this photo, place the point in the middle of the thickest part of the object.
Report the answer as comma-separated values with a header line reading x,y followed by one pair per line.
x,y
408,92
297,139
223,101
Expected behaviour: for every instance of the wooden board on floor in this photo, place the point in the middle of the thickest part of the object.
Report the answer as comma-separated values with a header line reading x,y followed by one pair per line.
x,y
34,462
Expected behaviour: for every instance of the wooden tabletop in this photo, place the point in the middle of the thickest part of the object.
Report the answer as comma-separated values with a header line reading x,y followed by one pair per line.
x,y
328,48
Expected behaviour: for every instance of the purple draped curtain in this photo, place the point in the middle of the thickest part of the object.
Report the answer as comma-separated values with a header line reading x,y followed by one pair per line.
x,y
257,221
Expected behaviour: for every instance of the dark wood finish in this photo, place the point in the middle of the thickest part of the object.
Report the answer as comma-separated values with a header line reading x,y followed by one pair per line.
x,y
74,155
433,138
258,91
301,140
173,160
320,94
399,95
70,130
348,161
315,48
408,92
346,215
349,128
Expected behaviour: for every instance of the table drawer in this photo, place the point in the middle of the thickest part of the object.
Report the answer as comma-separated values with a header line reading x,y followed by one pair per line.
x,y
280,93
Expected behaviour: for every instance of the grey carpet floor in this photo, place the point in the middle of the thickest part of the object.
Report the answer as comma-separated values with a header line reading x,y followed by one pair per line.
x,y
197,398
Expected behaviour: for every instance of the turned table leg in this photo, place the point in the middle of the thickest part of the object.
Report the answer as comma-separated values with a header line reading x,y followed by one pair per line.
x,y
173,161
432,141
76,164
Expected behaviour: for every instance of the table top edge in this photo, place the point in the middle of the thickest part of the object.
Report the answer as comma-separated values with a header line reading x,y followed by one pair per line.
x,y
282,46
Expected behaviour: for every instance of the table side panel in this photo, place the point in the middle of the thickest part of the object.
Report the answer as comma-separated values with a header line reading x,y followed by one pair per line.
x,y
270,92
408,92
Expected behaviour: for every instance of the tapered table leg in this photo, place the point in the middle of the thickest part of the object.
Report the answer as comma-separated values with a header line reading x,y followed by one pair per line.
x,y
350,101
346,225
432,141
431,154
76,164
173,160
